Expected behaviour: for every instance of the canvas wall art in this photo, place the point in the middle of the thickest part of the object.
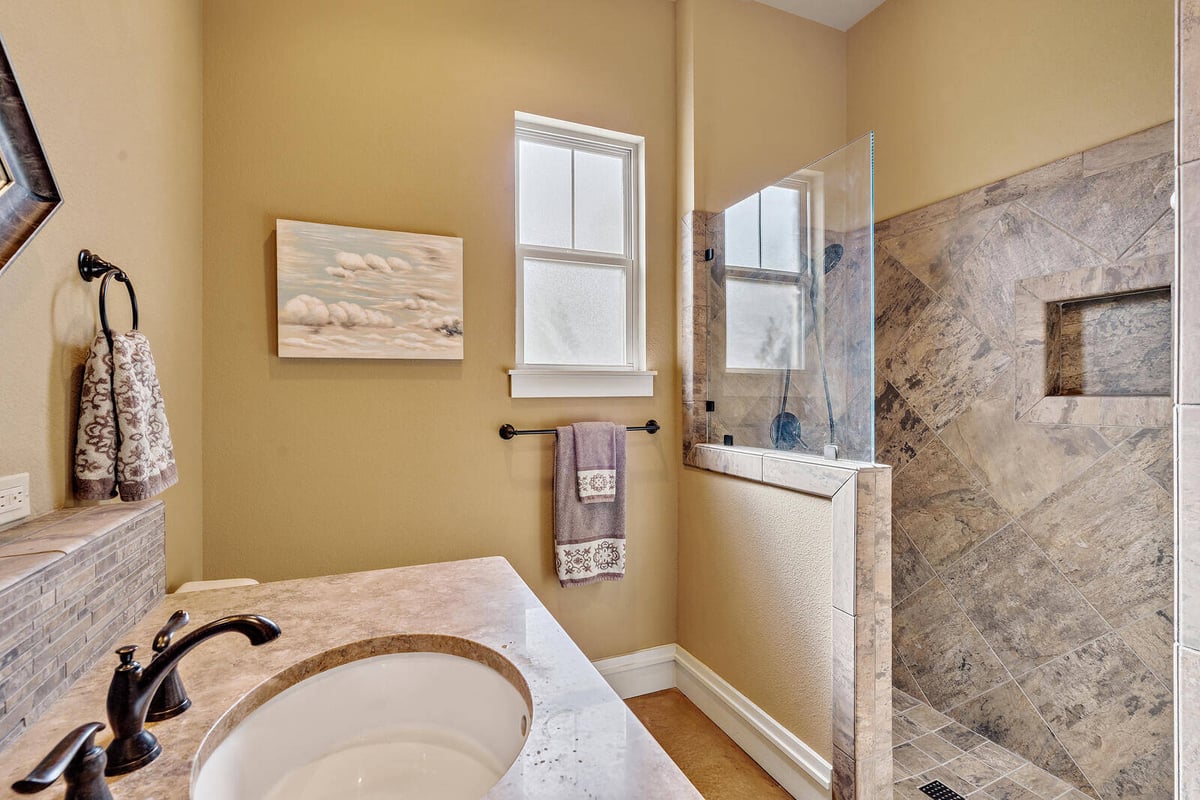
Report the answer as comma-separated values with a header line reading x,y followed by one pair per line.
x,y
361,293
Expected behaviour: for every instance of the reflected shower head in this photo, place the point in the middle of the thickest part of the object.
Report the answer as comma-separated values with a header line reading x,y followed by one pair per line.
x,y
833,256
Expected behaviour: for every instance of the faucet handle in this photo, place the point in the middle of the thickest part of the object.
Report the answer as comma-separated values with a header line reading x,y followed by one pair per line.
x,y
163,640
76,758
171,699
126,654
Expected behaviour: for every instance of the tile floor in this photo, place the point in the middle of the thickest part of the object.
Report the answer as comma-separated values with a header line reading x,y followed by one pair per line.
x,y
714,764
929,746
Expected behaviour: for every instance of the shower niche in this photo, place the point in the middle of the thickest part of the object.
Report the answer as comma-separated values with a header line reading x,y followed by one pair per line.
x,y
1094,346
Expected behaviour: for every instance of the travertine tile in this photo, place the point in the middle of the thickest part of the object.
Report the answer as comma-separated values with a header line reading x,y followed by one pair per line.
x,y
910,570
909,761
1188,80
949,659
996,757
937,747
1151,638
1187,287
1121,560
1129,149
1110,211
935,252
1158,241
1019,464
1020,603
1188,474
927,718
900,297
973,771
1150,450
1006,717
1006,789
1116,345
1189,723
1111,714
1046,177
961,737
943,364
903,679
1040,782
902,701
1022,245
899,430
944,509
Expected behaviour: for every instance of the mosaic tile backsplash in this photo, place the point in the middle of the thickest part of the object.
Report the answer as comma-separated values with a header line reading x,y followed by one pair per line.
x,y
71,583
1032,563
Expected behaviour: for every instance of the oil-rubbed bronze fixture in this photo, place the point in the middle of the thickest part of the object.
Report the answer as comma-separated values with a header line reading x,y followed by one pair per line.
x,y
171,699
78,760
132,688
508,431
91,267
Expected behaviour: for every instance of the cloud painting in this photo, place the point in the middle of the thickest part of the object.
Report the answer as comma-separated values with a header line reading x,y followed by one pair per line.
x,y
361,293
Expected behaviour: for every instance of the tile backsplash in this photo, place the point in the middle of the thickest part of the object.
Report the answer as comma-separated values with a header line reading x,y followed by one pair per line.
x,y
71,583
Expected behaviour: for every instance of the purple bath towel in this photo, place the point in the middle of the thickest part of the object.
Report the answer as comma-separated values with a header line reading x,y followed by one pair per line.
x,y
596,461
589,537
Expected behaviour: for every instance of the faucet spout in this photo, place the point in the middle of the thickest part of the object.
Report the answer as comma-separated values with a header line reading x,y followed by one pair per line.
x,y
133,687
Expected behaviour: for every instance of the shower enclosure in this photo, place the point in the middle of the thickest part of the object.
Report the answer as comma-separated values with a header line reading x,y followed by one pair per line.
x,y
790,316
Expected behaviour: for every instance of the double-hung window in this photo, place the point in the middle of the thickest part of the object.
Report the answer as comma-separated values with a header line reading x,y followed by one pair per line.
x,y
767,242
580,251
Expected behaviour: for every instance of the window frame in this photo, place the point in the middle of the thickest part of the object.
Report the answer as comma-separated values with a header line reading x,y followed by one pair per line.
x,y
629,378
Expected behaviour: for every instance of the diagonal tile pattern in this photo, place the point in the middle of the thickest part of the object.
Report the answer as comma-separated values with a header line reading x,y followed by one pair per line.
x,y
977,769
1032,563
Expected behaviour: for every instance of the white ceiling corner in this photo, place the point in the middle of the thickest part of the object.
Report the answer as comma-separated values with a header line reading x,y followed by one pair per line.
x,y
840,14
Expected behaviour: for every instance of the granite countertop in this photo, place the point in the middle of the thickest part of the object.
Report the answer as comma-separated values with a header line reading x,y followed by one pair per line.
x,y
583,741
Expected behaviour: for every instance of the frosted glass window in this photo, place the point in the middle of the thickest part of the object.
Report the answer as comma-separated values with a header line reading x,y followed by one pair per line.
x,y
574,313
599,202
741,233
780,227
763,325
545,193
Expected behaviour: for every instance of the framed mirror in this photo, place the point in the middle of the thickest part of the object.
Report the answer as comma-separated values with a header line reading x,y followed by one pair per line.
x,y
28,193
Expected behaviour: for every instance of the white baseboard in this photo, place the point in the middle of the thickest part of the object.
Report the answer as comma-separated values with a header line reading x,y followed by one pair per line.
x,y
797,767
640,673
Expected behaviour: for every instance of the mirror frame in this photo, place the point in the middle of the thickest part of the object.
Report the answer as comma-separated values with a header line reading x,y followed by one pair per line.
x,y
30,195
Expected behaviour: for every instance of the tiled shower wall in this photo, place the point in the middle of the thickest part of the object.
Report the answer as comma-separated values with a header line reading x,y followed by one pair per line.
x,y
1187,396
1032,562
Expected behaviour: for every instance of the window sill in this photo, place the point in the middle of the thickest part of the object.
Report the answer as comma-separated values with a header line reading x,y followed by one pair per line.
x,y
581,383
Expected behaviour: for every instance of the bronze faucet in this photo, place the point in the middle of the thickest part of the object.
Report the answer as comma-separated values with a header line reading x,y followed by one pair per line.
x,y
132,688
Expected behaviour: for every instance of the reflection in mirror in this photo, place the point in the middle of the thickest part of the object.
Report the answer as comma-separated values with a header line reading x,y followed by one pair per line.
x,y
792,345
29,194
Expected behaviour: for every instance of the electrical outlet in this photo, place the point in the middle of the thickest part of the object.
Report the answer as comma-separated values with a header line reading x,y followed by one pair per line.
x,y
14,497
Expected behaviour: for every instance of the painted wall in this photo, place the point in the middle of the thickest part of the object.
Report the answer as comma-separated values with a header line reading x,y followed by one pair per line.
x,y
762,94
755,566
115,92
962,93
400,116
769,96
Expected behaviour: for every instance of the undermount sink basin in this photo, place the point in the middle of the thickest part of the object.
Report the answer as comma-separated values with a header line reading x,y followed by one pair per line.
x,y
431,717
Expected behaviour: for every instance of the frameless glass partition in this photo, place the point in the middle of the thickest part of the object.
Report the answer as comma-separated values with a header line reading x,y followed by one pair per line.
x,y
791,312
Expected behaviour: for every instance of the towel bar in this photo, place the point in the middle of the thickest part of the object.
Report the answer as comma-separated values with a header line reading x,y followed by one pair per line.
x,y
508,431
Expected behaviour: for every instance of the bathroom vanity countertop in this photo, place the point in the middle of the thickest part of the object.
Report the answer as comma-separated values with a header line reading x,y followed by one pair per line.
x,y
583,741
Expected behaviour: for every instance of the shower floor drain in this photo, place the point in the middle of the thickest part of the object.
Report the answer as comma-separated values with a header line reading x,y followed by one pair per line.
x,y
940,791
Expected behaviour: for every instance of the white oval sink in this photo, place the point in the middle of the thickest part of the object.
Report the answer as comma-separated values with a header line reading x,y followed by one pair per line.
x,y
418,724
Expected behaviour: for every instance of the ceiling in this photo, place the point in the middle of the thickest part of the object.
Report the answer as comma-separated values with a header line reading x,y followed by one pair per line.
x,y
840,14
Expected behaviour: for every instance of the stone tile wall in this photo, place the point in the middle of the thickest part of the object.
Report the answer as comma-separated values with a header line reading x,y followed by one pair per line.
x,y
1033,562
71,583
1187,398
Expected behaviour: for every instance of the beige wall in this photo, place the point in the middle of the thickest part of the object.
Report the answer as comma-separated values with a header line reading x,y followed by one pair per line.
x,y
962,93
765,95
769,96
114,88
400,116
755,593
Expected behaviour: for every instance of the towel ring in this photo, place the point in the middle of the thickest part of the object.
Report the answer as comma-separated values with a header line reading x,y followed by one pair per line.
x,y
92,266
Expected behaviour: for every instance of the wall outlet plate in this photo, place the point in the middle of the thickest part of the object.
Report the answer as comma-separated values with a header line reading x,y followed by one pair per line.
x,y
14,497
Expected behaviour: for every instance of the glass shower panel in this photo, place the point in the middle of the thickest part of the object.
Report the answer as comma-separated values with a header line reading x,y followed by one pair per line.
x,y
791,325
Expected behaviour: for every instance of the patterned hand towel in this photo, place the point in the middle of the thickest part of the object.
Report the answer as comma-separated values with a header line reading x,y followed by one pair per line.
x,y
126,449
589,538
596,461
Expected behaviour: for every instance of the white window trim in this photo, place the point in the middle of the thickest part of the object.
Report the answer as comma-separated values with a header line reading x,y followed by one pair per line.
x,y
553,380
